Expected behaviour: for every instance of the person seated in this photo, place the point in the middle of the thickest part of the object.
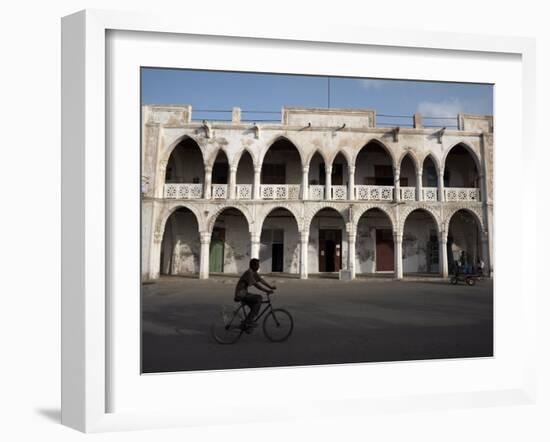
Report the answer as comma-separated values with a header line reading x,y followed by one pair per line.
x,y
252,300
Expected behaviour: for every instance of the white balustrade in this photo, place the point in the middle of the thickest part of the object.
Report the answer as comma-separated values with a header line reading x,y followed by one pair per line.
x,y
339,192
182,191
280,191
429,194
407,193
462,194
244,191
316,192
376,193
219,191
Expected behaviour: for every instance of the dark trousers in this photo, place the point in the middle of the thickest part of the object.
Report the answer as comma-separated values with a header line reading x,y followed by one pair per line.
x,y
252,301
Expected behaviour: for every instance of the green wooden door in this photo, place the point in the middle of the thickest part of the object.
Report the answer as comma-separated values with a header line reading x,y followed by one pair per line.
x,y
216,250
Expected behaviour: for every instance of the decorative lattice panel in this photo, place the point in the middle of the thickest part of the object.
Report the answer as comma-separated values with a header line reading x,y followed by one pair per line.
x,y
316,192
408,193
244,191
219,191
430,193
339,192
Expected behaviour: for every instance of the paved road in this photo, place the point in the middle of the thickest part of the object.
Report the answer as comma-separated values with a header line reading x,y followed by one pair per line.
x,y
335,322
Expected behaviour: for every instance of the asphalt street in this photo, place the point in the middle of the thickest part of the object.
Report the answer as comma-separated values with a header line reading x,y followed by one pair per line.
x,y
365,320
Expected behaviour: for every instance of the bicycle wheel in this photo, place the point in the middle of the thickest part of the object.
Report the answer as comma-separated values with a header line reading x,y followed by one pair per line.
x,y
226,328
278,325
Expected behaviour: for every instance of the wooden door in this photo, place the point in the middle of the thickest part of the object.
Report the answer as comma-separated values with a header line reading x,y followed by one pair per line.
x,y
217,250
384,250
330,250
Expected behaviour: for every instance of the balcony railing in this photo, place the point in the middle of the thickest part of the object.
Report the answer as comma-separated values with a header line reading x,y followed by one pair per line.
x,y
462,194
280,191
339,192
407,193
316,192
244,191
219,191
429,194
374,193
183,191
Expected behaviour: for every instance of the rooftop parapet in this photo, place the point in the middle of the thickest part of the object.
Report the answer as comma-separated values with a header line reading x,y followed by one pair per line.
x,y
354,118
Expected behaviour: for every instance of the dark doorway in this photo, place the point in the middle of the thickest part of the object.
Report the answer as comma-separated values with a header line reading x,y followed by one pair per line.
x,y
217,250
277,250
330,250
384,250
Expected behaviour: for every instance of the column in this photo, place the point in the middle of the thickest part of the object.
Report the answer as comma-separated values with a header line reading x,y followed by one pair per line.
x,y
328,182
232,182
304,241
398,254
443,259
351,183
305,182
397,185
482,189
441,186
205,255
485,253
207,182
257,174
419,185
254,245
154,255
351,252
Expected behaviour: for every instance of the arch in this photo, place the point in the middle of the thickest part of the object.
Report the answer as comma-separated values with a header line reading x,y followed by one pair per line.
x,y
434,161
414,159
464,238
259,222
469,148
421,242
317,208
476,214
408,210
243,209
379,142
357,214
179,164
167,212
179,251
168,151
312,154
215,154
238,156
276,139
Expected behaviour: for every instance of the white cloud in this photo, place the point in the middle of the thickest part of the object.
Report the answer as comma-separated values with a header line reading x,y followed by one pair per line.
x,y
447,108
372,84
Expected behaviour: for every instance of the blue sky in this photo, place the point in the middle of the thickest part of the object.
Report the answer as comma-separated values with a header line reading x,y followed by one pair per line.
x,y
217,90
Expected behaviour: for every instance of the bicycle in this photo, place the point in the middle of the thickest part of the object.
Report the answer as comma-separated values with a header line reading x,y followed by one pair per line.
x,y
229,325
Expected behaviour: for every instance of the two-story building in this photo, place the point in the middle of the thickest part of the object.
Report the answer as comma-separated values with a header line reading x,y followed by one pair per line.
x,y
321,191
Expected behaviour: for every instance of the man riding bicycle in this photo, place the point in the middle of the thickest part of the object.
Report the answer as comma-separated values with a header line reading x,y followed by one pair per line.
x,y
254,301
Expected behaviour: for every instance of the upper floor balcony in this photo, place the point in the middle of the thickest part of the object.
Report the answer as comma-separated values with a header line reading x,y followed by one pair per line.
x,y
283,171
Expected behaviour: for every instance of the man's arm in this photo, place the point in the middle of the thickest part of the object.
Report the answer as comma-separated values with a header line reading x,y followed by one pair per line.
x,y
264,282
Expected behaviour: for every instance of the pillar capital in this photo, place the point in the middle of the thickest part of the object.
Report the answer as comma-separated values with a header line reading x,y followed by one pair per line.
x,y
257,169
305,169
304,235
233,169
208,168
205,237
351,168
443,236
254,237
397,236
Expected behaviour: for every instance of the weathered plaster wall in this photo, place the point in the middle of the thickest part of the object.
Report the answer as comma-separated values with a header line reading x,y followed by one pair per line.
x,y
181,245
291,252
416,237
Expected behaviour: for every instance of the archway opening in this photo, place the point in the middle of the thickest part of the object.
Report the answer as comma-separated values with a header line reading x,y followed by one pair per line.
x,y
180,247
464,242
374,166
420,243
460,168
281,171
317,177
374,250
185,164
328,246
230,243
280,243
245,176
429,173
340,177
407,179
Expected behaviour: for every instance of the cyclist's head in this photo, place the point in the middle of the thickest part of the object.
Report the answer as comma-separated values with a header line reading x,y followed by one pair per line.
x,y
254,264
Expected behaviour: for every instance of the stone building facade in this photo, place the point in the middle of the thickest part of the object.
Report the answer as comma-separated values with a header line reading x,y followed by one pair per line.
x,y
324,190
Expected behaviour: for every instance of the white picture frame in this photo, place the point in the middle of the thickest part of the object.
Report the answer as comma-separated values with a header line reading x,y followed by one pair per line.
x,y
87,205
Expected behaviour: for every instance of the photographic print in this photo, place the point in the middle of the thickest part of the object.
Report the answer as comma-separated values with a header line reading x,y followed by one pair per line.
x,y
294,220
